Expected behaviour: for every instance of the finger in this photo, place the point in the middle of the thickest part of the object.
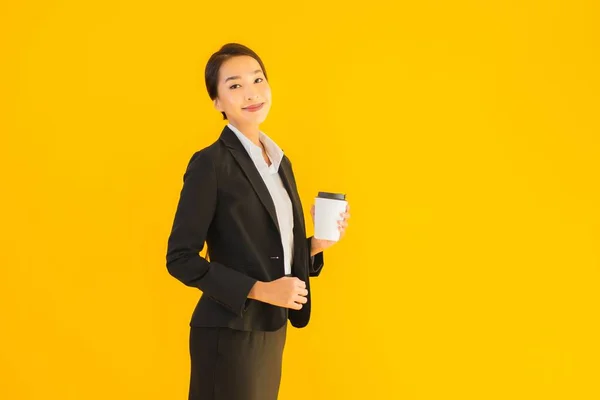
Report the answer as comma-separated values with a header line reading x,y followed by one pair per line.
x,y
301,284
303,292
301,300
295,306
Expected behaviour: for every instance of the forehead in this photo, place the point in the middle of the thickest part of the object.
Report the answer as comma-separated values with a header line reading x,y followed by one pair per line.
x,y
238,66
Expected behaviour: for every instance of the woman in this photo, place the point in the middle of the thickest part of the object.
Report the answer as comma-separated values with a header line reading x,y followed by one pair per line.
x,y
240,196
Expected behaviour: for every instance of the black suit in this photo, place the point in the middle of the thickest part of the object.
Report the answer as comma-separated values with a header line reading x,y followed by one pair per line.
x,y
225,202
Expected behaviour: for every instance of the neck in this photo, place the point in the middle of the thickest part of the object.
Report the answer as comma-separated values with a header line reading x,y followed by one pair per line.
x,y
250,131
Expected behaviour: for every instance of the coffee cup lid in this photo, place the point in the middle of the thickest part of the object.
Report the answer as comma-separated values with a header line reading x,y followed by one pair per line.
x,y
332,196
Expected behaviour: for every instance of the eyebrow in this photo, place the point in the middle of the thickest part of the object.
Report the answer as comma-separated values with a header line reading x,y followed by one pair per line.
x,y
239,77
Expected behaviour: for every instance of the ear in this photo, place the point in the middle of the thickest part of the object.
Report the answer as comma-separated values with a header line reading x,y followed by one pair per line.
x,y
217,105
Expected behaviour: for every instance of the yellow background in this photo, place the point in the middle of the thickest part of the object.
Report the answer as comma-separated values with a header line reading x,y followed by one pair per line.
x,y
464,132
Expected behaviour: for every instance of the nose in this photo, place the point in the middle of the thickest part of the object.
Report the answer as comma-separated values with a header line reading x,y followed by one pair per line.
x,y
252,96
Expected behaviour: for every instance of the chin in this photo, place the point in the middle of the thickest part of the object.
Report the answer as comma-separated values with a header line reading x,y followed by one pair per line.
x,y
262,119
259,119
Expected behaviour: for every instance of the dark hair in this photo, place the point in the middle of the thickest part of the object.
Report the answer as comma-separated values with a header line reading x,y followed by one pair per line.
x,y
211,72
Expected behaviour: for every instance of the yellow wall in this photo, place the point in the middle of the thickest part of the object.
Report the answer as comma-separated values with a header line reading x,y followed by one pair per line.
x,y
464,132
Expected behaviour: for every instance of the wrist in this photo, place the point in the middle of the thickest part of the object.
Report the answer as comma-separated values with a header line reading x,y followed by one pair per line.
x,y
256,293
314,249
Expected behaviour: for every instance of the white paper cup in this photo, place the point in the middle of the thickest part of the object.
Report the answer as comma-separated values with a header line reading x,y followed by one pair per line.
x,y
328,207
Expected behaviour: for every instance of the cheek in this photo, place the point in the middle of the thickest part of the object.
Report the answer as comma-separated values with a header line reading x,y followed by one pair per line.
x,y
267,93
232,101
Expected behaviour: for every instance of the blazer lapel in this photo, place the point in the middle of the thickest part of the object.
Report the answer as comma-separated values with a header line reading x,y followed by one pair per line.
x,y
286,177
299,262
243,159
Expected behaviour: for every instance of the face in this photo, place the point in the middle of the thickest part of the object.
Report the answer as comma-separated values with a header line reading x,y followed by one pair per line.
x,y
242,84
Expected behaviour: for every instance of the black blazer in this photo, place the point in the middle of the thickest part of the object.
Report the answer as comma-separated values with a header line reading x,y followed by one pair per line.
x,y
225,202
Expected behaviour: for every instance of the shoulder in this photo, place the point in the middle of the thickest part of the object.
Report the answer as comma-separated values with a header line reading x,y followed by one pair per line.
x,y
286,159
287,163
212,154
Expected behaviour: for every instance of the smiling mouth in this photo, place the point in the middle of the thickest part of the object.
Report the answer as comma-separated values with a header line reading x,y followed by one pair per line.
x,y
254,107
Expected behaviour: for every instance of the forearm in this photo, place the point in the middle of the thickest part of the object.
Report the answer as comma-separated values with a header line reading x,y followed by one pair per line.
x,y
315,262
313,248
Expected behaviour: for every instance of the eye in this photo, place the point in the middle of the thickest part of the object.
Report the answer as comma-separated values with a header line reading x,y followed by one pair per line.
x,y
261,79
232,86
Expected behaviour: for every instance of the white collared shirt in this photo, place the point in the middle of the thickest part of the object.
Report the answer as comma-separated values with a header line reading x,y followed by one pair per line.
x,y
281,199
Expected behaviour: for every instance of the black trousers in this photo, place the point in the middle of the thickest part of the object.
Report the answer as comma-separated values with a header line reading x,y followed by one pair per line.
x,y
228,364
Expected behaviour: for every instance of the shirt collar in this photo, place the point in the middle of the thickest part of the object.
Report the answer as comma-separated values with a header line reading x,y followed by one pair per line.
x,y
273,150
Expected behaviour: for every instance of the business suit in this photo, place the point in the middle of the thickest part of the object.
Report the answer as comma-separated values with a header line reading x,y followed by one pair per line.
x,y
225,202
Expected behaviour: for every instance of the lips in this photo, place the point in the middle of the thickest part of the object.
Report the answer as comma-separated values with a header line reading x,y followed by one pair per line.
x,y
254,107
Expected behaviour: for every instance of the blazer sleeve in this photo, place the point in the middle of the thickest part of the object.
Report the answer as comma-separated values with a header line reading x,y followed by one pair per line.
x,y
316,262
195,211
